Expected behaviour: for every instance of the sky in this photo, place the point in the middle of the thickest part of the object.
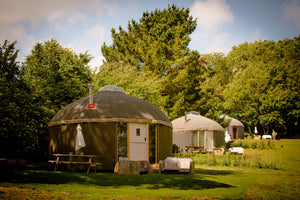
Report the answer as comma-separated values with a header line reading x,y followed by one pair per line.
x,y
84,25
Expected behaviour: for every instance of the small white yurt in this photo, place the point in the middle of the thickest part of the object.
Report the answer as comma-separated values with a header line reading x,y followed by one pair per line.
x,y
235,128
196,130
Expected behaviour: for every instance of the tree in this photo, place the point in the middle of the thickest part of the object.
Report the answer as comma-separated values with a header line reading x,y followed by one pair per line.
x,y
21,119
212,84
158,46
9,67
181,87
265,88
157,43
132,81
242,95
57,75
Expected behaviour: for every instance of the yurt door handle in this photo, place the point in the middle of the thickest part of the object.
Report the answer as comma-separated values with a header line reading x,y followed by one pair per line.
x,y
145,139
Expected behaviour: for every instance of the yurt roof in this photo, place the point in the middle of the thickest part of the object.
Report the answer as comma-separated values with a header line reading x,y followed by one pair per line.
x,y
195,122
111,106
234,122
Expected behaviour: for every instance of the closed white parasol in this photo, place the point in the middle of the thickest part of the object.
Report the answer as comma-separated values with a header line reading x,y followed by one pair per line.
x,y
79,138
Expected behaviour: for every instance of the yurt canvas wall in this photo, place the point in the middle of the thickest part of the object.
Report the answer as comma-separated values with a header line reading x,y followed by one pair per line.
x,y
100,139
182,139
208,139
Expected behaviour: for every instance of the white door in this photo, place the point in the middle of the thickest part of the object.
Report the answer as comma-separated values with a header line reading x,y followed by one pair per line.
x,y
138,142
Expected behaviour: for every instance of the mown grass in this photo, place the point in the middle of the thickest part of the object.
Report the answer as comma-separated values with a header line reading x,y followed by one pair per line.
x,y
214,182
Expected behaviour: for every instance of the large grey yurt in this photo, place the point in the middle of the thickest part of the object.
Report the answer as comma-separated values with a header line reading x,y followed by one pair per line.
x,y
235,128
113,125
197,131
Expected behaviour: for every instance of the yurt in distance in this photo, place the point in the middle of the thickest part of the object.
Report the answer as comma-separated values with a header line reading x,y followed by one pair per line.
x,y
235,128
114,125
196,130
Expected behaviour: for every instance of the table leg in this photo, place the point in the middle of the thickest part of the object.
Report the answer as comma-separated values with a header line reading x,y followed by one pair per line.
x,y
56,163
90,162
88,171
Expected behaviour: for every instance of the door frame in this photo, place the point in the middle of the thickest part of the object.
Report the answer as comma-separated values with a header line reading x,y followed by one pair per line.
x,y
129,127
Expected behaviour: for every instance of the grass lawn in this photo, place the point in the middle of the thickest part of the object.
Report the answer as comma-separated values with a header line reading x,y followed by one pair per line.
x,y
209,182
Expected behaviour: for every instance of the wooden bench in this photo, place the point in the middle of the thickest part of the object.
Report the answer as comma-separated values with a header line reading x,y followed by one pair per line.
x,y
194,149
76,160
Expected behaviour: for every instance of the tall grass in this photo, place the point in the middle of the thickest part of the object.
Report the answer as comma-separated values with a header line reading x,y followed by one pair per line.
x,y
246,161
256,144
249,160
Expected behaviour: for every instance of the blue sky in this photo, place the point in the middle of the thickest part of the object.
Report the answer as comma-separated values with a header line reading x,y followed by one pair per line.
x,y
83,25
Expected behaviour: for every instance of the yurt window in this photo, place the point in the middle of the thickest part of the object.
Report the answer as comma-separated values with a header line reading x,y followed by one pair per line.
x,y
122,140
111,88
195,139
138,132
198,138
201,138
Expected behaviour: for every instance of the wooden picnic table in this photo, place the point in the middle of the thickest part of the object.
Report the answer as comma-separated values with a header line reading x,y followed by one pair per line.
x,y
194,149
71,159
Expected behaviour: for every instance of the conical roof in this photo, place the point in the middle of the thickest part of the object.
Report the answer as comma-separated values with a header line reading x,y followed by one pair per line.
x,y
195,122
234,122
111,106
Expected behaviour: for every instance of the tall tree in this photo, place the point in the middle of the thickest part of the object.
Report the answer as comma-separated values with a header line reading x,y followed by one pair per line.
x,y
157,43
21,119
181,86
212,83
57,74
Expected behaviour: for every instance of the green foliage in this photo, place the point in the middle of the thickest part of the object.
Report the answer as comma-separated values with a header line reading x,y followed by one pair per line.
x,y
157,46
157,43
134,82
265,89
21,118
30,95
256,83
212,84
245,161
57,75
181,87
256,144
9,67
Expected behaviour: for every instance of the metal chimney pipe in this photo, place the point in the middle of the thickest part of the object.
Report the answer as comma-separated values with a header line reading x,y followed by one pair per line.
x,y
91,94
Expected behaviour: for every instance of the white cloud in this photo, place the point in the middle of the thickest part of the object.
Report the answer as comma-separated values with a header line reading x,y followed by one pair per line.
x,y
17,32
291,11
21,20
220,43
91,41
29,21
258,35
211,15
34,12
